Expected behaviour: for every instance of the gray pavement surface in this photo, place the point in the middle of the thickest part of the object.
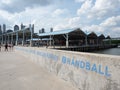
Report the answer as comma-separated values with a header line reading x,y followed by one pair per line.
x,y
19,73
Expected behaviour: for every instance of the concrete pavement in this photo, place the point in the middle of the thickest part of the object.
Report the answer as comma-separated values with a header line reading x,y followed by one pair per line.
x,y
19,73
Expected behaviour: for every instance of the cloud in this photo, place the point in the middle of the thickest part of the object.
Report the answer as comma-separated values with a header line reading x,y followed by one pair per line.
x,y
85,7
5,14
111,22
79,0
69,23
93,28
105,8
99,9
5,17
3,20
6,1
74,21
20,5
106,4
110,26
59,12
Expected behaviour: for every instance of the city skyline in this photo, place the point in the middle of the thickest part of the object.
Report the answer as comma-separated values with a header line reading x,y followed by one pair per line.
x,y
100,16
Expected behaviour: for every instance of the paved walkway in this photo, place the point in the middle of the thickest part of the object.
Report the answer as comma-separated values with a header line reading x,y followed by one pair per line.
x,y
19,73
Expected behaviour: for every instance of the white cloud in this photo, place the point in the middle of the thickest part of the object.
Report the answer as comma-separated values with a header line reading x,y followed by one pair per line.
x,y
85,7
110,26
6,1
112,21
58,12
5,18
115,32
79,0
74,21
106,4
94,28
60,26
99,9
13,6
5,14
69,23
105,8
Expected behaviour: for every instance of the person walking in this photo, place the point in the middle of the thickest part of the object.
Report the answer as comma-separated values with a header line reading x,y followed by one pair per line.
x,y
0,47
6,47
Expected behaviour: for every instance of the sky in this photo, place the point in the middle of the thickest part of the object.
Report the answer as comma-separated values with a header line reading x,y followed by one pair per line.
x,y
99,16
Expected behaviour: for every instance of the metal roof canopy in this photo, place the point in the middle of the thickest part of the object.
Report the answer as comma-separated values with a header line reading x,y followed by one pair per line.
x,y
66,35
92,35
75,32
26,30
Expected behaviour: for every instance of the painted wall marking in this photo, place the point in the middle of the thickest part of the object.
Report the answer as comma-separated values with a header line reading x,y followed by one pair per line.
x,y
102,70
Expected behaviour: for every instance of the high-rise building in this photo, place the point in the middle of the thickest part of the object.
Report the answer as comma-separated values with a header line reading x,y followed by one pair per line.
x,y
51,29
33,28
0,30
43,30
22,26
4,28
16,28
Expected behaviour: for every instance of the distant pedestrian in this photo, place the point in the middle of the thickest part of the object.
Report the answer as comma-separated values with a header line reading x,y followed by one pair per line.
x,y
0,47
12,46
6,47
47,45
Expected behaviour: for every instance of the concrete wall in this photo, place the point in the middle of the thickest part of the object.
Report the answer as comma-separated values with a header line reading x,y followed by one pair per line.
x,y
86,71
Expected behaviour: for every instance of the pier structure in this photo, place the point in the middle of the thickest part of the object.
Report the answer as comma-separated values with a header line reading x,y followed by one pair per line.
x,y
72,37
69,39
74,40
17,36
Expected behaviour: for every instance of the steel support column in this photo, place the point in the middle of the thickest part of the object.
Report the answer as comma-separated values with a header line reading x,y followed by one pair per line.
x,y
11,38
16,38
67,40
2,39
23,38
86,40
31,40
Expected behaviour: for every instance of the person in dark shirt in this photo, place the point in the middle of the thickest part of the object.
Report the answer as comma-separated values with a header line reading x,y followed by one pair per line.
x,y
6,47
0,47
